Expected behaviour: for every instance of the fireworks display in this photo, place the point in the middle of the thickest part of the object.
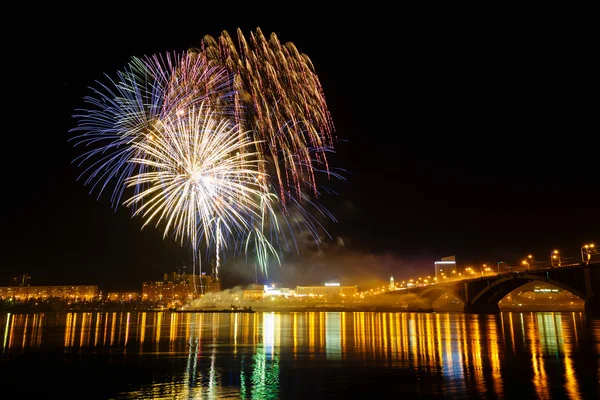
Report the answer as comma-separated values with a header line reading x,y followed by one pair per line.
x,y
219,147
282,104
125,111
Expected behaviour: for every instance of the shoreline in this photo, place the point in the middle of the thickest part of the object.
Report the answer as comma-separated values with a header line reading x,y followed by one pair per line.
x,y
284,310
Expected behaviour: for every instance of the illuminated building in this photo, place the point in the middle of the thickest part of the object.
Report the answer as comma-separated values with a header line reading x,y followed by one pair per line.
x,y
176,286
272,291
123,296
392,286
445,267
71,292
327,290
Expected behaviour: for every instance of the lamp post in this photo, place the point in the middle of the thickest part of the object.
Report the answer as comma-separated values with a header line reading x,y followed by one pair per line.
x,y
588,248
527,261
468,272
483,268
554,256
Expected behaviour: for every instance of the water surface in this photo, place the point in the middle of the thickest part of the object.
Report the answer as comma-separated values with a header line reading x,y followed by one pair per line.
x,y
300,355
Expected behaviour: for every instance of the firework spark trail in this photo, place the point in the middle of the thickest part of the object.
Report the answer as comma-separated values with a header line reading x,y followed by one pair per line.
x,y
124,112
285,104
199,172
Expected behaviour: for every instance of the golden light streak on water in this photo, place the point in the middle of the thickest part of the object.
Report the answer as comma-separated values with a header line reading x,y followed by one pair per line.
x,y
494,355
462,334
15,320
113,328
460,346
502,325
375,334
25,331
215,323
235,331
157,328
405,339
97,328
68,329
476,353
356,329
449,362
127,329
84,331
295,334
343,334
7,324
311,334
321,331
118,320
74,330
386,332
575,334
439,345
105,329
413,336
199,323
256,328
142,330
173,328
188,321
512,332
423,326
394,335
372,338
431,344
571,383
40,329
34,330
537,360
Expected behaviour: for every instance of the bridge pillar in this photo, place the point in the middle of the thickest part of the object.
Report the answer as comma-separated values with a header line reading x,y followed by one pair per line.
x,y
481,308
592,301
592,306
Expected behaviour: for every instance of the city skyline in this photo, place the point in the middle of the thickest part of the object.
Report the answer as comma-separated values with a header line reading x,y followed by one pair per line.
x,y
468,139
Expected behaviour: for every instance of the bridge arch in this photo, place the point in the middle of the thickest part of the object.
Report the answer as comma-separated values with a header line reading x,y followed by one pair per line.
x,y
487,299
431,294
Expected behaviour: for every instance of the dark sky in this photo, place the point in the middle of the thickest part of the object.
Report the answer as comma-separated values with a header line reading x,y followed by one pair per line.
x,y
463,133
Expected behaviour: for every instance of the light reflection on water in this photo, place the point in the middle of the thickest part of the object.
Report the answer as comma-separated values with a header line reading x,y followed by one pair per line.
x,y
310,354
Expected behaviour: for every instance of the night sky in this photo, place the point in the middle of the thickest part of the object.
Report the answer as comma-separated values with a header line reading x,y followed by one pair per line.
x,y
474,137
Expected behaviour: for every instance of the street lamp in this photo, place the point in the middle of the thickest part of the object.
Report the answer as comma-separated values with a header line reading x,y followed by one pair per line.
x,y
527,261
588,249
554,256
484,267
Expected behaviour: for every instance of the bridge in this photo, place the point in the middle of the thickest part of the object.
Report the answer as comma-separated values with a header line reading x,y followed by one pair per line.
x,y
481,295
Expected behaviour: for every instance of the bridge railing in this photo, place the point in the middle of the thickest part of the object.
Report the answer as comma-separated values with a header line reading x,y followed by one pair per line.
x,y
518,269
